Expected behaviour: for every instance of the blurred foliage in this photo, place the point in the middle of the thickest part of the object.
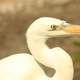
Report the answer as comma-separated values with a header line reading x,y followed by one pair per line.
x,y
76,43
76,57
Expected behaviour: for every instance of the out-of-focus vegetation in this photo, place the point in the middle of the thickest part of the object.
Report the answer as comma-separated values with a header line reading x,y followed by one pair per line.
x,y
76,57
17,15
76,43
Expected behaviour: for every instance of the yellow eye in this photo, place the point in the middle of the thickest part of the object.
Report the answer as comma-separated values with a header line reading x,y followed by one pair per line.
x,y
53,27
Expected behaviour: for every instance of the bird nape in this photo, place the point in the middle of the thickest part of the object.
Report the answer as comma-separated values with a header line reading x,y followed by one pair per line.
x,y
24,66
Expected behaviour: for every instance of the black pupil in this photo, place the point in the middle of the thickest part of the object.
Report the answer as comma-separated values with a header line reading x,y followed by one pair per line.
x,y
53,27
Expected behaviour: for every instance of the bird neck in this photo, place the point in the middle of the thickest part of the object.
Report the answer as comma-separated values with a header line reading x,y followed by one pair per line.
x,y
55,58
37,47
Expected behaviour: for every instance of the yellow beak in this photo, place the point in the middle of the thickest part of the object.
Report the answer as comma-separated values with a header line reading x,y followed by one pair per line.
x,y
73,29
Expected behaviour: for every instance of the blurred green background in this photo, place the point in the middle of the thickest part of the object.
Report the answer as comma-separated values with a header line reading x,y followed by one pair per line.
x,y
17,15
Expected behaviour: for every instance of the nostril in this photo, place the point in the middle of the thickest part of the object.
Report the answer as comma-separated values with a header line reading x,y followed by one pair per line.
x,y
48,71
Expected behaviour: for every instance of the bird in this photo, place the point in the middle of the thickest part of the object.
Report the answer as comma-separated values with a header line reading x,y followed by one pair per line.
x,y
23,66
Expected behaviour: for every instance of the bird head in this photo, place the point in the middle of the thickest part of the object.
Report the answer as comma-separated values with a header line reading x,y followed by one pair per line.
x,y
52,27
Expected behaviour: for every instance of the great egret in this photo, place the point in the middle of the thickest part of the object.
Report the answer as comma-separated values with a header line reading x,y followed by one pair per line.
x,y
24,66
